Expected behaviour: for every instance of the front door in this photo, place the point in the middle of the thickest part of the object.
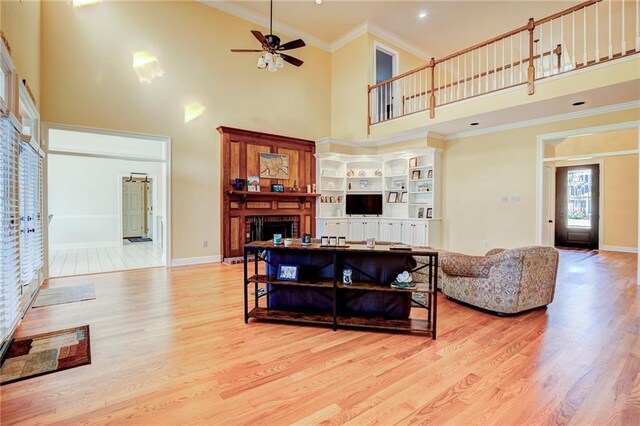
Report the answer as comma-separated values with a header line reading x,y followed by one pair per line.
x,y
577,206
132,209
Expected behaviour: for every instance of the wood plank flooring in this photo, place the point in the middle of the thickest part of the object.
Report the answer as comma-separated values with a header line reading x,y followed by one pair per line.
x,y
80,261
170,346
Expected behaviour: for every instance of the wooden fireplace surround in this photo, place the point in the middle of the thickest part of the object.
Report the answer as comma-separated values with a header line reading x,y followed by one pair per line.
x,y
240,154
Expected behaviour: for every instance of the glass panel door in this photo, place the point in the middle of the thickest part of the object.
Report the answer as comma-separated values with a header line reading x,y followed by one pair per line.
x,y
579,198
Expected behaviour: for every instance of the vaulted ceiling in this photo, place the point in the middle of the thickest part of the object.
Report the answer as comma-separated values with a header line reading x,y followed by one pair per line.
x,y
447,27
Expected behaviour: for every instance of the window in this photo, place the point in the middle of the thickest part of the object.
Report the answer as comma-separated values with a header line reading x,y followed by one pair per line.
x,y
30,214
6,79
579,188
10,286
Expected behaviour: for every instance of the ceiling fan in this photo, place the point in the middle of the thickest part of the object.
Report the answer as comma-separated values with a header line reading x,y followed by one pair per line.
x,y
272,58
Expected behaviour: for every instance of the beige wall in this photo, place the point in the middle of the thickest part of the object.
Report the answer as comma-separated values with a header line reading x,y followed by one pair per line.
x,y
620,191
20,23
89,81
481,169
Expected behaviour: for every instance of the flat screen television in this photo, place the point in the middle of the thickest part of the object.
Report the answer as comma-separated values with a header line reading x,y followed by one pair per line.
x,y
364,204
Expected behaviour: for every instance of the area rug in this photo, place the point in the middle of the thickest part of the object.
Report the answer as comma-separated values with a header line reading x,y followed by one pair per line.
x,y
46,353
60,295
139,240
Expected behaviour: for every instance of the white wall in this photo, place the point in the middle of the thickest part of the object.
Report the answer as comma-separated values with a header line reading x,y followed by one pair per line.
x,y
85,199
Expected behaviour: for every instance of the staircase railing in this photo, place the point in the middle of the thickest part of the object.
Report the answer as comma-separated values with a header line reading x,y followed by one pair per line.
x,y
587,34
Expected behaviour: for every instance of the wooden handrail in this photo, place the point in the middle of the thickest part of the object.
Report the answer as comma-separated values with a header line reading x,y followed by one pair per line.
x,y
566,11
483,44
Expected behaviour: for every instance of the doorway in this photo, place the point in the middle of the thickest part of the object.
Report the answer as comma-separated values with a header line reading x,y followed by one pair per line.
x,y
577,207
385,68
137,208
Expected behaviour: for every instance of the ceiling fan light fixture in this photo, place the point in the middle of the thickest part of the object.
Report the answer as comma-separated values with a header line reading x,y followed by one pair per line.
x,y
268,57
279,62
272,67
262,64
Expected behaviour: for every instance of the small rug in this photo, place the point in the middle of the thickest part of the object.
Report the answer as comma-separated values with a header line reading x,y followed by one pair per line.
x,y
46,353
60,295
139,240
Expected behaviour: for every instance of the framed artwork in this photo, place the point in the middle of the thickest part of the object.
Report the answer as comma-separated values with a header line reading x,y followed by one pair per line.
x,y
413,162
288,272
253,183
404,197
364,185
420,212
430,174
274,166
429,213
415,175
392,197
277,187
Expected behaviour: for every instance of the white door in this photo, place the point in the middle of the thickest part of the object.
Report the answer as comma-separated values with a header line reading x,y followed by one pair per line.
x,y
549,205
149,203
132,209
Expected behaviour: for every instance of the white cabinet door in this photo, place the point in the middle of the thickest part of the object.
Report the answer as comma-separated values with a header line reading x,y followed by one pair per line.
x,y
356,229
384,230
407,232
395,231
370,229
342,228
330,228
420,236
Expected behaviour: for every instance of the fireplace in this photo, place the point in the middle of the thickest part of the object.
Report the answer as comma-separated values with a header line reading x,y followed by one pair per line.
x,y
262,228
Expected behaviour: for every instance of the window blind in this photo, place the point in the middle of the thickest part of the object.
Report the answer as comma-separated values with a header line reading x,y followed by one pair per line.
x,y
10,286
30,229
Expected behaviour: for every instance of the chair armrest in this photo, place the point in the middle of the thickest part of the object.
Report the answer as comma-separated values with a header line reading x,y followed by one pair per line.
x,y
494,251
462,265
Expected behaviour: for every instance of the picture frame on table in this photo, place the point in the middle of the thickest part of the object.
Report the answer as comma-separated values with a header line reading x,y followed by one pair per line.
x,y
415,175
392,197
413,162
404,197
287,272
276,187
429,213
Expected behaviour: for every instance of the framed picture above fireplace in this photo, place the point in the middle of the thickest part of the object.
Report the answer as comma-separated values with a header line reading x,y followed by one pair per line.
x,y
274,166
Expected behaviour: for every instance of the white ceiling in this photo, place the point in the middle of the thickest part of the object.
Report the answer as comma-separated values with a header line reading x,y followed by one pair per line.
x,y
448,27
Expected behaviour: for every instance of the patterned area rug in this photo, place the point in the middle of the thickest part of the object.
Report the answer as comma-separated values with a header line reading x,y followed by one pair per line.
x,y
60,295
46,353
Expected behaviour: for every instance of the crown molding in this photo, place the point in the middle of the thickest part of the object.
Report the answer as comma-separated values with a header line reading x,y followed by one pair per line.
x,y
409,135
263,21
397,40
546,120
349,36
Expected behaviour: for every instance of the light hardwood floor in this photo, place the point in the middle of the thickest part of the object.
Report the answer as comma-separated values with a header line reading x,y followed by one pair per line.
x,y
68,262
169,346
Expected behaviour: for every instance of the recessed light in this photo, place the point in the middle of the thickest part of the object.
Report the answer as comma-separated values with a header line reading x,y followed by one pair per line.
x,y
474,124
318,1
83,3
422,15
578,103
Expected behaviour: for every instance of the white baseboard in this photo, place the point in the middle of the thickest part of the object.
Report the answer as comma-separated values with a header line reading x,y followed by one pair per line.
x,y
69,246
196,260
621,249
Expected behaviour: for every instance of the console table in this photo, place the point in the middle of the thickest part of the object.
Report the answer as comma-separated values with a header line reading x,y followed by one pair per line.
x,y
335,258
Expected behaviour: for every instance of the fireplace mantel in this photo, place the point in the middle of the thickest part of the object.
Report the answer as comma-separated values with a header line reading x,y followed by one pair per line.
x,y
240,155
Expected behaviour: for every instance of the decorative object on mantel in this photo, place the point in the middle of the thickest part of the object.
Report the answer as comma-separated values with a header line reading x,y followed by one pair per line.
x,y
306,239
309,188
313,188
295,188
378,172
253,183
276,187
277,239
239,184
350,173
272,58
274,166
362,173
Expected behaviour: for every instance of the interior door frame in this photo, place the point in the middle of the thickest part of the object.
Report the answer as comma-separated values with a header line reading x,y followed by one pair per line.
x,y
122,176
540,160
395,70
166,160
600,164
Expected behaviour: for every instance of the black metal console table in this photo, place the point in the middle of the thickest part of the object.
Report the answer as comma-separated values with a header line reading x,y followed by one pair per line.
x,y
425,325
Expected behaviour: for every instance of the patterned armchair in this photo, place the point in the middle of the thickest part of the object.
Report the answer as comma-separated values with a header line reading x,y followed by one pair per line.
x,y
503,281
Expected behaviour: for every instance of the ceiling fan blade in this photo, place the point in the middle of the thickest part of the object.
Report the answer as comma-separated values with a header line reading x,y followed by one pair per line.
x,y
293,61
247,50
257,34
294,44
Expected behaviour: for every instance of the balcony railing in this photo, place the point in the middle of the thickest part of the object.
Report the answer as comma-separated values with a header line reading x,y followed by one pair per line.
x,y
587,34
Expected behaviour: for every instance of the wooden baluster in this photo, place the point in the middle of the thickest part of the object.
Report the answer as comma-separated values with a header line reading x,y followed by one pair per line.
x,y
439,86
584,37
561,38
531,71
541,59
558,52
520,58
551,67
464,91
597,33
486,78
623,39
503,70
444,78
573,40
611,30
432,98
495,66
458,80
479,71
511,66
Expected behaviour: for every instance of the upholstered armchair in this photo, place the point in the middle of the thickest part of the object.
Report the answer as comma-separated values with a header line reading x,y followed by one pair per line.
x,y
503,281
